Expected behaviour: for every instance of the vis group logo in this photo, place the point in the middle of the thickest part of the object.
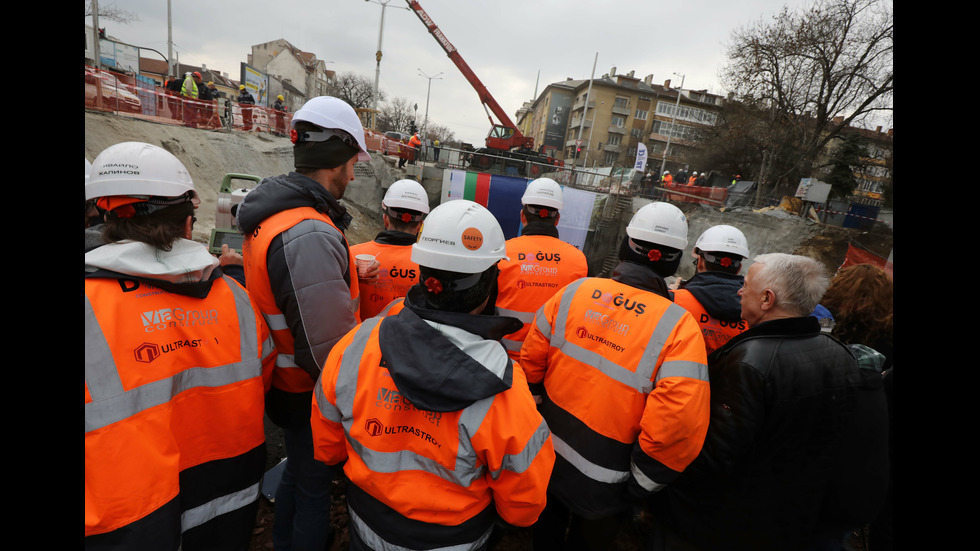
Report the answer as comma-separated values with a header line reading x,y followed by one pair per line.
x,y
159,320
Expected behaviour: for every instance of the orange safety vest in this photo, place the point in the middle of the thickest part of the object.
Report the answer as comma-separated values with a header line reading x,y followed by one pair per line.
x,y
668,179
173,384
620,366
539,266
715,331
287,376
414,141
391,448
398,274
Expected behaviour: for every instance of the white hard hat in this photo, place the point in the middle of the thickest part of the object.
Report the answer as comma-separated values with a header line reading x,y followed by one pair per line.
x,y
660,223
666,172
695,173
723,239
406,194
544,192
460,236
333,113
138,169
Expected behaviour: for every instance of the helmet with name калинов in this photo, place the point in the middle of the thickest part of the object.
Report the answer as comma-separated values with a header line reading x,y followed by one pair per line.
x,y
138,169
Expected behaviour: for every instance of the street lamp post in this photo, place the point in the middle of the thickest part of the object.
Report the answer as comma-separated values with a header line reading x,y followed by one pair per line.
x,y
672,120
425,121
377,55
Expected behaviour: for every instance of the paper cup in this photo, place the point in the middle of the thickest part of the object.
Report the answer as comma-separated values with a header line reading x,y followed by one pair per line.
x,y
363,263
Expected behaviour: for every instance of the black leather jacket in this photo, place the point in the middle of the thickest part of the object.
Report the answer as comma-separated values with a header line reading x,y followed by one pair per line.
x,y
783,398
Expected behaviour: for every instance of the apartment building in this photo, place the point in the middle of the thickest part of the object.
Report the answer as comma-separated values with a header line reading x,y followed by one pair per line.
x,y
622,112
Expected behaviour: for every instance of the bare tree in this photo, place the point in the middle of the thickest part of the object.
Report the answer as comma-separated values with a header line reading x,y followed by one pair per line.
x,y
112,13
439,132
810,74
395,115
355,89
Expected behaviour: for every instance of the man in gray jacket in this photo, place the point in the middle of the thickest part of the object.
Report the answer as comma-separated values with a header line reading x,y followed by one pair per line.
x,y
298,266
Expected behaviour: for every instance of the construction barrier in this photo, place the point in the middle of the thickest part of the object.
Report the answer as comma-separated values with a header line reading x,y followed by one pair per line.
x,y
120,94
694,194
856,256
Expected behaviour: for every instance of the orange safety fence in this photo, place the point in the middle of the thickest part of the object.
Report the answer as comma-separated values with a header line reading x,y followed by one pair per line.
x,y
376,141
860,256
694,194
125,95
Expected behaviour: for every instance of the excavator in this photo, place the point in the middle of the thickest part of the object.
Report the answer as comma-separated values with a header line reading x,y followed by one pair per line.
x,y
505,142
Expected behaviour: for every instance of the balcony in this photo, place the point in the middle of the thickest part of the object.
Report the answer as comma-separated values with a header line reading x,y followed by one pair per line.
x,y
613,129
621,110
579,103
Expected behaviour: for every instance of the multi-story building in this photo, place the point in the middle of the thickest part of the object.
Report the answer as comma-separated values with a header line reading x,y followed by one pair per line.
x,y
298,71
622,112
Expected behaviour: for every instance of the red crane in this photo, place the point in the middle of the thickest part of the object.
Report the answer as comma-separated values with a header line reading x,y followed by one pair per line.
x,y
504,139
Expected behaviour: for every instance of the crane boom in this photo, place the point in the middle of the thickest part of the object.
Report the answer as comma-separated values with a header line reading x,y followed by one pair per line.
x,y
503,136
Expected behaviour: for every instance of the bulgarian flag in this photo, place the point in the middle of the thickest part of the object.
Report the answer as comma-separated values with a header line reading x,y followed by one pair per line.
x,y
501,195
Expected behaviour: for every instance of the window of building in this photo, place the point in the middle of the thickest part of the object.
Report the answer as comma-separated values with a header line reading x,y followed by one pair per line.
x,y
615,139
640,115
622,103
637,133
618,121
609,159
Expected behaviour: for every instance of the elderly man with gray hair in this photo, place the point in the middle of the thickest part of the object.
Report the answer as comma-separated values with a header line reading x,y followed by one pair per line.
x,y
794,425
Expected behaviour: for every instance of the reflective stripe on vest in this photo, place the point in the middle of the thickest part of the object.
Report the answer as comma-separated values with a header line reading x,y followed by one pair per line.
x,y
376,542
643,381
640,380
382,462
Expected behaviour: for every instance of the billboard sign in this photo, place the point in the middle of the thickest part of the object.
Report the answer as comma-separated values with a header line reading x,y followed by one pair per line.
x,y
257,84
556,124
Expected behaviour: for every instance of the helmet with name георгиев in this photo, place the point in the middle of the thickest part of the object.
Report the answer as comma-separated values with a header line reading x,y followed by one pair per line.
x,y
332,113
659,223
460,236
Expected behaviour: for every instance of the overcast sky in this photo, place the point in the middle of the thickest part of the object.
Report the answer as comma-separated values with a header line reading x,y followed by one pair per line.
x,y
506,43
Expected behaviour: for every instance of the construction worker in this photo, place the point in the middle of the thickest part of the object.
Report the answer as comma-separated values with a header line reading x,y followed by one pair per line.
x,y
403,208
625,385
416,143
435,150
245,101
435,426
299,269
280,108
711,295
189,91
177,362
667,178
692,178
539,262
